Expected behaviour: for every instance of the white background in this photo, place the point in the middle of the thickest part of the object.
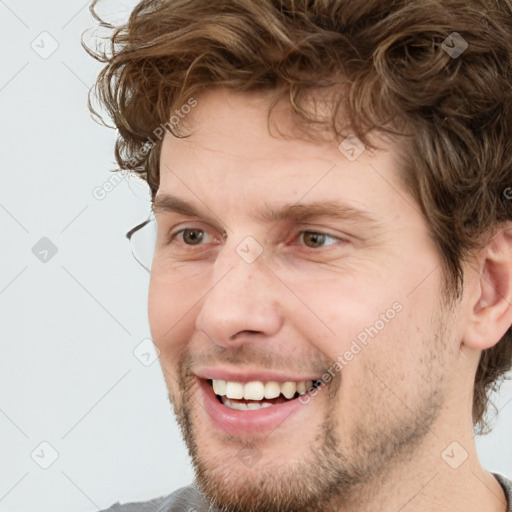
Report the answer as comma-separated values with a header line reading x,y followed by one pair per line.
x,y
69,325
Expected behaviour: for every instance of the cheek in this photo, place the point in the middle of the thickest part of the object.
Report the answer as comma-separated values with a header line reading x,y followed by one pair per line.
x,y
171,314
401,362
389,376
379,328
159,300
343,313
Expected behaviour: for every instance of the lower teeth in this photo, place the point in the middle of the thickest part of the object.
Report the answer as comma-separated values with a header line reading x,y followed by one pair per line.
x,y
243,406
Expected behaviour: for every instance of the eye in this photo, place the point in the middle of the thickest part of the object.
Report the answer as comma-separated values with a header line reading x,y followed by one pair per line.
x,y
190,236
315,240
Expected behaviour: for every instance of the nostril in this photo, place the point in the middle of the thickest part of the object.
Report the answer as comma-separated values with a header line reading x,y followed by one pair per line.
x,y
243,333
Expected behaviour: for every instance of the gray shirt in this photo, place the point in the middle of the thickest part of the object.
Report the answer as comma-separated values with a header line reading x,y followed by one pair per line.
x,y
190,499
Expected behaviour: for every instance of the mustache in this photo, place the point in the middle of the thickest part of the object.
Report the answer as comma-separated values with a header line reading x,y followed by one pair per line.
x,y
253,355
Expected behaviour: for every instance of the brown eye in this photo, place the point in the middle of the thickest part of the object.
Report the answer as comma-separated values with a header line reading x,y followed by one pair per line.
x,y
314,240
192,236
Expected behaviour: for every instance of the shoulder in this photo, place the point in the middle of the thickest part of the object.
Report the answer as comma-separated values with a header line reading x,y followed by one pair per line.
x,y
507,487
183,500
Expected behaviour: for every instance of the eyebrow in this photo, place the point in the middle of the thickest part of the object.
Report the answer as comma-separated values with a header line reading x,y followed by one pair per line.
x,y
299,212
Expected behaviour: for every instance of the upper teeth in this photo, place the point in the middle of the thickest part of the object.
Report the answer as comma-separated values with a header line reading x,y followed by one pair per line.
x,y
258,390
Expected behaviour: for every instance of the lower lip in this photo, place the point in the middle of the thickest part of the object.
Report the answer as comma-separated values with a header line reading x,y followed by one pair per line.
x,y
239,423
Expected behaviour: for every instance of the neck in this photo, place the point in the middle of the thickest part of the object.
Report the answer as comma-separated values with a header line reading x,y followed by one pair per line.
x,y
443,473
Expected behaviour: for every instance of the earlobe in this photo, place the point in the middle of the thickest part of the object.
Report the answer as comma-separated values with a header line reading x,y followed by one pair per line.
x,y
491,303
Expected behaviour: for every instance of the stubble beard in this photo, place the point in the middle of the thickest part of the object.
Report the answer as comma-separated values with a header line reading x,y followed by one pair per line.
x,y
337,475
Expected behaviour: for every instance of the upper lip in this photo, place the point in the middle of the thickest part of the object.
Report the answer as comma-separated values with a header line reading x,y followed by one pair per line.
x,y
249,375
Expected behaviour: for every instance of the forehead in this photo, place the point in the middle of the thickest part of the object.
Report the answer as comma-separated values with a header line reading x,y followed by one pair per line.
x,y
231,152
238,124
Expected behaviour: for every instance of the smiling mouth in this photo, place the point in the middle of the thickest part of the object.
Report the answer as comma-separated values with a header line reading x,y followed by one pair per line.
x,y
258,395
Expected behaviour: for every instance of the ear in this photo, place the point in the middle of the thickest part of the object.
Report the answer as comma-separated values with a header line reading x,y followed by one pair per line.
x,y
490,304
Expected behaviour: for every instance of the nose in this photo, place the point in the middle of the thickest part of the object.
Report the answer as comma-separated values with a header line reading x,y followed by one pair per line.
x,y
242,303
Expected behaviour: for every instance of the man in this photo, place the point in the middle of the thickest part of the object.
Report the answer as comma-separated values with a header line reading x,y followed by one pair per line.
x,y
331,284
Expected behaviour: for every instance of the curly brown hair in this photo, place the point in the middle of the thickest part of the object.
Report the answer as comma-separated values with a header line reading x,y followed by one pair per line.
x,y
388,67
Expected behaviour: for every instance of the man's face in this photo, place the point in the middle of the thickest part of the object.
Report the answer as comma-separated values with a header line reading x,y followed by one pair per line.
x,y
243,296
